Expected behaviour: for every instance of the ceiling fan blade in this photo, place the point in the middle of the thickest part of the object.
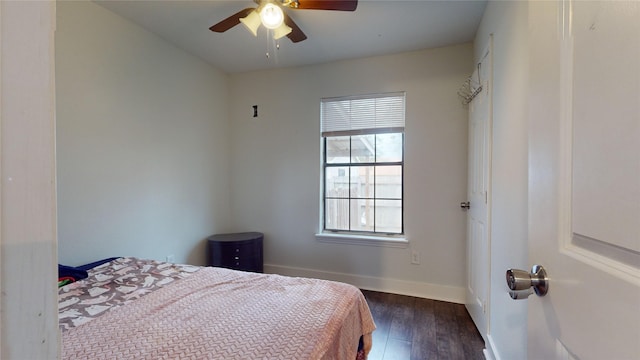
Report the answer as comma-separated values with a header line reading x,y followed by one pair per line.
x,y
231,21
296,35
340,5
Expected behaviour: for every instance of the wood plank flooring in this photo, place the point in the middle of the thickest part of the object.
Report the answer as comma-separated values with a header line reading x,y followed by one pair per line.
x,y
410,328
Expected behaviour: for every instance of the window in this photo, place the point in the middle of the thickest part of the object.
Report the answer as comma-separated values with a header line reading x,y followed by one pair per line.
x,y
363,164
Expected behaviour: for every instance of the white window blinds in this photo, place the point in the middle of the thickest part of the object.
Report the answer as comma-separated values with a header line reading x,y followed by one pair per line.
x,y
365,114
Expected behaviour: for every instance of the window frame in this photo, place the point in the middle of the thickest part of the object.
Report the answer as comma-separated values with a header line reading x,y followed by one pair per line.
x,y
350,165
363,237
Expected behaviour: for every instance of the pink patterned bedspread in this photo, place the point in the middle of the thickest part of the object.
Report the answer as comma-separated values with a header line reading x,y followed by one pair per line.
x,y
114,284
217,313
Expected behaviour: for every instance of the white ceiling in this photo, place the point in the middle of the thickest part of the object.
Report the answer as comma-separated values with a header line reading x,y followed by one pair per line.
x,y
377,27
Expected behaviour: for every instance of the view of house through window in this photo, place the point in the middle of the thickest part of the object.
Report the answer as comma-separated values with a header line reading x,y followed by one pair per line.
x,y
363,160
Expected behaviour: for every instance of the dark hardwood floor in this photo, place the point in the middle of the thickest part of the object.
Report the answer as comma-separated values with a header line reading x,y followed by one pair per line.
x,y
411,328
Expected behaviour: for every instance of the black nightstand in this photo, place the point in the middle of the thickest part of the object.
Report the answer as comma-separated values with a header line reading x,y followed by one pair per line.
x,y
238,251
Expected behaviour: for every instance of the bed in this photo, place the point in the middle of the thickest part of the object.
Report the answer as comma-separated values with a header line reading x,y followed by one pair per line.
x,y
130,308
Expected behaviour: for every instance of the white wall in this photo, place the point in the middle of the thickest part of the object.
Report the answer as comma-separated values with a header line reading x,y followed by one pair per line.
x,y
156,150
142,142
276,172
508,22
29,321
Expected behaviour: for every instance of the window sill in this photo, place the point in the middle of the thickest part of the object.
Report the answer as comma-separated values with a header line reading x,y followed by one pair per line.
x,y
353,239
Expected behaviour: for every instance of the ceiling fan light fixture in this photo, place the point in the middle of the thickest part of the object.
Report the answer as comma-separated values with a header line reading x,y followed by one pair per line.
x,y
252,22
272,16
281,31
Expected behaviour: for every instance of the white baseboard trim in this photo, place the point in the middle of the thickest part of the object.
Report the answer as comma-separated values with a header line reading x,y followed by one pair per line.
x,y
411,288
490,351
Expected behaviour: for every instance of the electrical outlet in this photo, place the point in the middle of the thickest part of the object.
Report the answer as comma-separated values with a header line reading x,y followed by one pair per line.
x,y
171,258
415,257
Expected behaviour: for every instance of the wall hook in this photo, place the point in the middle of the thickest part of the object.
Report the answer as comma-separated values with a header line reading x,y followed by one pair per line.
x,y
470,89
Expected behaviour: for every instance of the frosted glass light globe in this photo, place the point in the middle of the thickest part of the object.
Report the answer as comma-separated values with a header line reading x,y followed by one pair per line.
x,y
271,16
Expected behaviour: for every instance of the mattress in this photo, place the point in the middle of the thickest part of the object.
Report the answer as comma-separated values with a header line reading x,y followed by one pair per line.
x,y
133,308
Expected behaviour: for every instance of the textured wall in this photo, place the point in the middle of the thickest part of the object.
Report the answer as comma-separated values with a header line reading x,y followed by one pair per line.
x,y
276,170
508,22
142,131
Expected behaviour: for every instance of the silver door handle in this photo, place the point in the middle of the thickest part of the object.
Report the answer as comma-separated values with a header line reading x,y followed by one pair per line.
x,y
522,282
465,205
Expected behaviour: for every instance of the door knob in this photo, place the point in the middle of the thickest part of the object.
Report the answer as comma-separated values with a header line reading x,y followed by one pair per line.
x,y
520,294
465,205
522,282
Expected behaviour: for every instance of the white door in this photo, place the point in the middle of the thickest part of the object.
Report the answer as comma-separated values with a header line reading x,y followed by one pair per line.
x,y
29,321
478,224
584,179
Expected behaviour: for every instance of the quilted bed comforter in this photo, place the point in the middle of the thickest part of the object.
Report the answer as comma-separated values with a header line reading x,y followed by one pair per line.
x,y
128,309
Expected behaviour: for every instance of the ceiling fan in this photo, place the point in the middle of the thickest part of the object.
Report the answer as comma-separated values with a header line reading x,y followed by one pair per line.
x,y
270,14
